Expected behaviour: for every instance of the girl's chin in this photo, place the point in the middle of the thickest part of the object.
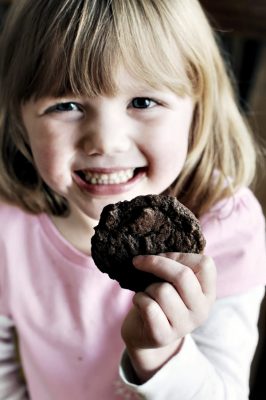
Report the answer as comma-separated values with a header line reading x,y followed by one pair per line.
x,y
95,206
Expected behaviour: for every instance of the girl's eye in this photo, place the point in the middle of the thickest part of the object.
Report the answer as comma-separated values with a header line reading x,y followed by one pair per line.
x,y
64,107
143,102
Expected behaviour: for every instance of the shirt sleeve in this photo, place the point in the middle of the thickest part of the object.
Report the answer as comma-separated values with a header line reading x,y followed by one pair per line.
x,y
235,238
214,362
12,386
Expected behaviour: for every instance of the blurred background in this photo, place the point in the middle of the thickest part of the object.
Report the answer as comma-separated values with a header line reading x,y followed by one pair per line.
x,y
241,30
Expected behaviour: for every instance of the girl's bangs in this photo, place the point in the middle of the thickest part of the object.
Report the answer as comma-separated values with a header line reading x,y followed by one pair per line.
x,y
82,62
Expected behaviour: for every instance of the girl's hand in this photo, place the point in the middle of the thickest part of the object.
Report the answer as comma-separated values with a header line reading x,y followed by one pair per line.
x,y
165,312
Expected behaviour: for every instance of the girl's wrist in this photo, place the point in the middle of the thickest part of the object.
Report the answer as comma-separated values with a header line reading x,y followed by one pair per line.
x,y
146,362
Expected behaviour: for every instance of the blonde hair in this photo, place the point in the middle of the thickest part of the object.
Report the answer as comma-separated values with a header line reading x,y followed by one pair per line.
x,y
57,47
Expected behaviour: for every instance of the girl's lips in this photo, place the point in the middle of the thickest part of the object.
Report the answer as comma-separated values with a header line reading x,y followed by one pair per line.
x,y
103,182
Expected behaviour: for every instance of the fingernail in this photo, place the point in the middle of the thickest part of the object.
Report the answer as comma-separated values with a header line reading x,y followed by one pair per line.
x,y
137,260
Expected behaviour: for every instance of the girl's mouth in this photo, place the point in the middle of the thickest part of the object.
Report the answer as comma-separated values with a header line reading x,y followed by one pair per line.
x,y
104,182
113,178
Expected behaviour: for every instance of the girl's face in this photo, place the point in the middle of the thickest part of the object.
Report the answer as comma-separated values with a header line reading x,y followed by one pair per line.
x,y
96,151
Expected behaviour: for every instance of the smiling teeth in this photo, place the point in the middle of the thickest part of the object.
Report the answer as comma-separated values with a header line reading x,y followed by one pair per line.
x,y
113,178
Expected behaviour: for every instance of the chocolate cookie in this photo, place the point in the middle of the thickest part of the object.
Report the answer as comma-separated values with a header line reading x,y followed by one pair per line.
x,y
149,224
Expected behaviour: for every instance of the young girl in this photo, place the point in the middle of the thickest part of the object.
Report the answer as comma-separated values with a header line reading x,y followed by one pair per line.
x,y
101,101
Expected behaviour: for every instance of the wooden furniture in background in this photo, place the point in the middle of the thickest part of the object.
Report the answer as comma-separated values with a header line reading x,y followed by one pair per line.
x,y
244,17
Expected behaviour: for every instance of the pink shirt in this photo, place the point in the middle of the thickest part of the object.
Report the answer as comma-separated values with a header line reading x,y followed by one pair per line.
x,y
235,233
68,314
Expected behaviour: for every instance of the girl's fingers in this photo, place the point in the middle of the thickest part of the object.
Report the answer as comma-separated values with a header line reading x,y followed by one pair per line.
x,y
202,266
181,295
170,302
154,319
181,269
182,302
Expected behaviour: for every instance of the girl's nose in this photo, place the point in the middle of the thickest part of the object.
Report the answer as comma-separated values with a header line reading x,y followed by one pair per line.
x,y
107,134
